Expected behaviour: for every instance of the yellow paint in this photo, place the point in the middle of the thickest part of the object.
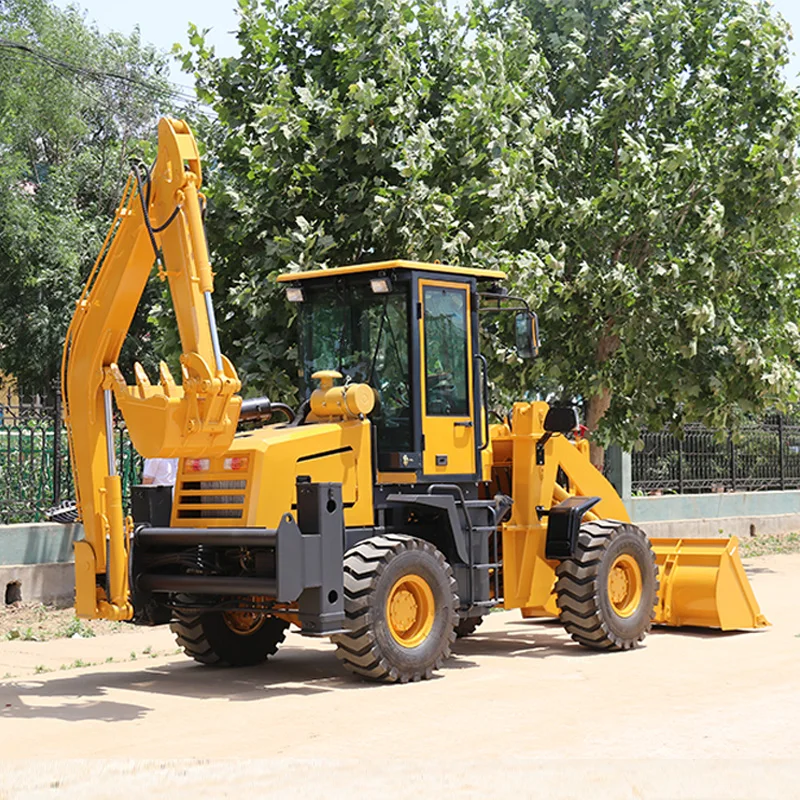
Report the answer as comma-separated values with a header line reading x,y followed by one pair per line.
x,y
329,402
85,584
244,622
450,436
560,494
549,609
410,610
448,269
198,417
528,576
704,583
276,455
117,542
625,585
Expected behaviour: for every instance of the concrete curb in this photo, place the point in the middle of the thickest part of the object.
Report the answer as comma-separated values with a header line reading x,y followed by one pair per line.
x,y
743,527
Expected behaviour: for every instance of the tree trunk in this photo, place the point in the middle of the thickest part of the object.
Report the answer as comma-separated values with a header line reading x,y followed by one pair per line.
x,y
598,405
607,345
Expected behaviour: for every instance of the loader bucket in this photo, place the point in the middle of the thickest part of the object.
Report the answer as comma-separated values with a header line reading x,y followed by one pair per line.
x,y
703,582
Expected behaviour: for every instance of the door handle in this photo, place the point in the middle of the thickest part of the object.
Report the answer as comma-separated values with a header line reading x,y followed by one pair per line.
x,y
483,406
465,424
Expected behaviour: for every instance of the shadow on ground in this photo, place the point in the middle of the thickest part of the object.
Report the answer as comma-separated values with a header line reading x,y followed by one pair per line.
x,y
753,570
294,671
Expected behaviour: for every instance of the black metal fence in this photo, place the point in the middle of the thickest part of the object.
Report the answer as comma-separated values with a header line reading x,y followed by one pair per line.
x,y
762,455
35,472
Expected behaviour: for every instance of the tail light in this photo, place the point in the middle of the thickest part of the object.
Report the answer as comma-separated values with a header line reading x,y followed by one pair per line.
x,y
236,463
197,465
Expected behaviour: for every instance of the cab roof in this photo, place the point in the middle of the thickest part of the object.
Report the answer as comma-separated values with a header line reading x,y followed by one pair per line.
x,y
381,266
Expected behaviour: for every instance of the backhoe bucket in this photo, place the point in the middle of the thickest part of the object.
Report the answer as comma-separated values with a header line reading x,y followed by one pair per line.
x,y
703,582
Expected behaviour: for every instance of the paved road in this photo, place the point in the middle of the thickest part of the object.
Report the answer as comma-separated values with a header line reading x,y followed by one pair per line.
x,y
521,711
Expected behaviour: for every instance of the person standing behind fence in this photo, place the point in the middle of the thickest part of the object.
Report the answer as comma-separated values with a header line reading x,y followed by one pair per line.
x,y
160,471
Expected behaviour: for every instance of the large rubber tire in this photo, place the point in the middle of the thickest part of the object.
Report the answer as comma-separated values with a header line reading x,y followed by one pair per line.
x,y
210,639
373,571
608,611
467,626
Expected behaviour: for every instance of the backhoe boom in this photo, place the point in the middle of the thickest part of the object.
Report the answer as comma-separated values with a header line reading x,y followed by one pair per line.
x,y
158,215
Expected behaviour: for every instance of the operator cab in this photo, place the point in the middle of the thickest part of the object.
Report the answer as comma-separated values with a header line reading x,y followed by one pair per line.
x,y
410,331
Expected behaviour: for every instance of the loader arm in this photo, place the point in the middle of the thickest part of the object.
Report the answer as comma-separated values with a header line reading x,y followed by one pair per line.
x,y
701,581
160,212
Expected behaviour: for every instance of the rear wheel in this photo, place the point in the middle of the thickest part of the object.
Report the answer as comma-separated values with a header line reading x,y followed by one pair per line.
x,y
228,638
607,591
400,600
467,626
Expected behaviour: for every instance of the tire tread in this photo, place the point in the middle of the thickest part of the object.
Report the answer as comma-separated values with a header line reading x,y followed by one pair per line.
x,y
358,648
578,592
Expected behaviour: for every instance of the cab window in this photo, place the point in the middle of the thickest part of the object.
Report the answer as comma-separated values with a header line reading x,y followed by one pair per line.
x,y
365,337
446,374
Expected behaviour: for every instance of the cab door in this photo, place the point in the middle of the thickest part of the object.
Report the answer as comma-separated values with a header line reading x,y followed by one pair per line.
x,y
448,424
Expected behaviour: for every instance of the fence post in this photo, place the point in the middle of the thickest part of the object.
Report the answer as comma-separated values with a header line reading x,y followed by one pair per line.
x,y
680,464
732,449
780,452
57,450
619,470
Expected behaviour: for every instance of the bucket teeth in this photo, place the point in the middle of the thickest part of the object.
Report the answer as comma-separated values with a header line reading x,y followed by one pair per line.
x,y
166,380
142,381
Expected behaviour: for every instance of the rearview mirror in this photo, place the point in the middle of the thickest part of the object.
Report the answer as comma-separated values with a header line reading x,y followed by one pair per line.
x,y
526,331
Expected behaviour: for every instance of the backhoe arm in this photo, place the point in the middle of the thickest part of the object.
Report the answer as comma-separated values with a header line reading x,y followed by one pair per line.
x,y
165,419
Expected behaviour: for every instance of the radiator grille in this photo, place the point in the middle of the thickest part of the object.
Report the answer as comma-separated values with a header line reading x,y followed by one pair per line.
x,y
215,497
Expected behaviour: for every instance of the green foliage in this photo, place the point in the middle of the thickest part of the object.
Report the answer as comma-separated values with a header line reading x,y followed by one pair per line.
x,y
355,131
78,628
632,165
772,544
27,635
65,139
28,466
677,208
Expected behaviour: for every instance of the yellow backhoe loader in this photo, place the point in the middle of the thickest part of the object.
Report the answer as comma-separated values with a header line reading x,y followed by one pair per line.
x,y
387,511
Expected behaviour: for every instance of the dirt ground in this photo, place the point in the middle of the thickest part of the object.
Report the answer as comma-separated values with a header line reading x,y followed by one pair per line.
x,y
520,711
35,622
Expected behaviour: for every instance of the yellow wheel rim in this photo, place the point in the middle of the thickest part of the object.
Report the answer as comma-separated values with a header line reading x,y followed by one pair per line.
x,y
625,585
244,623
410,610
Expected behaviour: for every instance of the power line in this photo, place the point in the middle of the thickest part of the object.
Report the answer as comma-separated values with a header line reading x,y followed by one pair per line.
x,y
86,71
61,72
24,51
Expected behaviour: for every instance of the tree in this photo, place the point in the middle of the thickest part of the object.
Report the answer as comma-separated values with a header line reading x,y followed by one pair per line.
x,y
75,106
677,200
632,165
356,130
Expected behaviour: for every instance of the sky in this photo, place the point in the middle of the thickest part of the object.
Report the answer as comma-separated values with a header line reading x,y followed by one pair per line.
x,y
164,22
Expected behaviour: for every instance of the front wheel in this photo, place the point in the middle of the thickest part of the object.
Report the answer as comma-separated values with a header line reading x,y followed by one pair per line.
x,y
608,590
400,601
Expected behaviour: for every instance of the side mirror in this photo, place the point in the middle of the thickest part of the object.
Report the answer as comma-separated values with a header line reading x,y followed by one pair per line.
x,y
526,332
